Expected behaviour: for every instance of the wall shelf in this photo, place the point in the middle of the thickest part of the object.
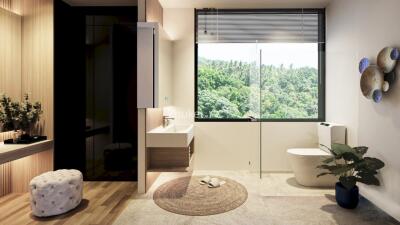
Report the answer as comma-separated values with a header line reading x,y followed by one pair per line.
x,y
10,152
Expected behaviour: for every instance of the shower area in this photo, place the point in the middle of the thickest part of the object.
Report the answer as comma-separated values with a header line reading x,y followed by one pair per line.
x,y
264,69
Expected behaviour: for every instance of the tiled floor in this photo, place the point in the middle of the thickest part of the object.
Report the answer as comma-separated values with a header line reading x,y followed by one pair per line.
x,y
274,199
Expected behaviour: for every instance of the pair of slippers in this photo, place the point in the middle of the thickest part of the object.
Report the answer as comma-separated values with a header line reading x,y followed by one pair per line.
x,y
212,182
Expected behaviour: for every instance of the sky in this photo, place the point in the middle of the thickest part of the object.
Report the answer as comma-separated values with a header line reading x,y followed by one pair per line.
x,y
297,54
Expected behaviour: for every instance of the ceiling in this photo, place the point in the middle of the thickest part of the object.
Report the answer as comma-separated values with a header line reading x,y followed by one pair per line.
x,y
101,2
210,3
244,3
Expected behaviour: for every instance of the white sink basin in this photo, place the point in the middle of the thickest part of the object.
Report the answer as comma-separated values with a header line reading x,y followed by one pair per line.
x,y
178,136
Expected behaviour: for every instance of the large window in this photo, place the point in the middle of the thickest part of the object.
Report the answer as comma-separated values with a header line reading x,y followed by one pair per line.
x,y
261,64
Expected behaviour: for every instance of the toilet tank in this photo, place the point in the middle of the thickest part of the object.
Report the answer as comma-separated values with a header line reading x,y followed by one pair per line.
x,y
329,133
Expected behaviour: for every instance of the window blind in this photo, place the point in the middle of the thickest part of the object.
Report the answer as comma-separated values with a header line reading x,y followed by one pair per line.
x,y
246,26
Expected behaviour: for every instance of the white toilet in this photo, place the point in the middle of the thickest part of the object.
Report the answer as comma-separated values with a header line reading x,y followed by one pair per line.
x,y
305,160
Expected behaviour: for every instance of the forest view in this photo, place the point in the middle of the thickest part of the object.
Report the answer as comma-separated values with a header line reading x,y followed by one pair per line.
x,y
230,89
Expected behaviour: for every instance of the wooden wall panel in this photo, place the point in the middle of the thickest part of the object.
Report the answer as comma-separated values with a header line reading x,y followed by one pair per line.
x,y
10,54
154,11
10,73
6,135
5,178
141,10
37,57
36,79
24,169
154,118
12,5
5,4
26,53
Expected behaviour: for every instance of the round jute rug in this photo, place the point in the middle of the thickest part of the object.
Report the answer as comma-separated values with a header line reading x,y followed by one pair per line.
x,y
186,196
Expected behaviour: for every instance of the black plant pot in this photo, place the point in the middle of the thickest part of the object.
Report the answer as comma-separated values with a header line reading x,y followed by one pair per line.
x,y
347,198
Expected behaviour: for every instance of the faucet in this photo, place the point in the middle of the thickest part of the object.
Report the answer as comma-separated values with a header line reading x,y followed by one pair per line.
x,y
167,120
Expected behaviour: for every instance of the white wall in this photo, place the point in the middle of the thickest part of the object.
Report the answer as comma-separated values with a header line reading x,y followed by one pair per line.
x,y
223,145
341,69
356,29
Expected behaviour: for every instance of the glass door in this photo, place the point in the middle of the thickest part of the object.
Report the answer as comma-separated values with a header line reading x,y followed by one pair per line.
x,y
254,113
111,115
264,68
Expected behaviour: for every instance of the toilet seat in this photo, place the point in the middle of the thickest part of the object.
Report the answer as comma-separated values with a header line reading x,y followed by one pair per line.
x,y
308,152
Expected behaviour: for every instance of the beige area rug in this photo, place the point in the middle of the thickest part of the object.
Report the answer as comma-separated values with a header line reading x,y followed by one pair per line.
x,y
186,196
323,210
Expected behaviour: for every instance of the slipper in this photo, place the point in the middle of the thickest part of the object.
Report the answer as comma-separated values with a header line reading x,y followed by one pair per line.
x,y
205,180
214,183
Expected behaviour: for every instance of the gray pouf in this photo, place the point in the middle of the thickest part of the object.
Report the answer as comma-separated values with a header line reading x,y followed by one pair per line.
x,y
56,192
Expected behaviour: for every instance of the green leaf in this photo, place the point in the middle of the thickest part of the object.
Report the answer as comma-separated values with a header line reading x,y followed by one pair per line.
x,y
341,151
374,163
327,167
348,182
351,156
368,179
328,160
361,149
336,169
366,171
323,174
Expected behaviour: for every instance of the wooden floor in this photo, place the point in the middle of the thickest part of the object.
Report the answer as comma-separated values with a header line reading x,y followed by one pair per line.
x,y
102,203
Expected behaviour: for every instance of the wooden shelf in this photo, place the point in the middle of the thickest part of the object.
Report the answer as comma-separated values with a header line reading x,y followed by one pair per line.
x,y
175,169
10,152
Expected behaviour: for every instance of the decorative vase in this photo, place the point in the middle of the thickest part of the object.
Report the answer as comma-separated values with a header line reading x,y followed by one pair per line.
x,y
7,127
347,198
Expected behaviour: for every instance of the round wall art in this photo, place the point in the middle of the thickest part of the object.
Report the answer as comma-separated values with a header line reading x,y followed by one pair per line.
x,y
377,79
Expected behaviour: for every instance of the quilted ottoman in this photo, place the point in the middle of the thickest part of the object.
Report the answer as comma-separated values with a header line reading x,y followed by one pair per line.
x,y
56,192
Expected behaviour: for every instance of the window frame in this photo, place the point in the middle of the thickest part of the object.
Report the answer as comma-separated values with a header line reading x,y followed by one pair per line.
x,y
321,65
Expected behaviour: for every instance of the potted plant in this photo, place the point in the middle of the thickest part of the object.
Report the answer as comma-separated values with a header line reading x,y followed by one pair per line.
x,y
350,166
29,115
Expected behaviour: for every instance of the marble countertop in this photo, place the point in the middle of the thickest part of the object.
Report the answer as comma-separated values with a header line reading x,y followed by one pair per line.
x,y
10,152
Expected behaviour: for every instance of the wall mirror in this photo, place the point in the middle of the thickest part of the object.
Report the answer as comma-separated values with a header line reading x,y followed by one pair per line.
x,y
10,55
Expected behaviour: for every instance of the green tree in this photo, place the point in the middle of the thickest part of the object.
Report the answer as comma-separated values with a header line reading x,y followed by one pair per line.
x,y
228,89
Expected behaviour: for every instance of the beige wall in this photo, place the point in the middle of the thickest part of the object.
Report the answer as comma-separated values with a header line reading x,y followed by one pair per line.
x,y
227,146
342,71
37,57
35,77
221,145
278,137
10,54
356,29
178,23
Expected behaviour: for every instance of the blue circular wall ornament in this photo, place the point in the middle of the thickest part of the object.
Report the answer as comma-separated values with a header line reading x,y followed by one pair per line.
x,y
364,63
377,96
395,54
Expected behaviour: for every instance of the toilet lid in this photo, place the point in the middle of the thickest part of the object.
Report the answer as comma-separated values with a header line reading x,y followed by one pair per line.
x,y
308,151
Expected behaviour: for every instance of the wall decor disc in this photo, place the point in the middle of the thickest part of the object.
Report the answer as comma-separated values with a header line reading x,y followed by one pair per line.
x,y
372,79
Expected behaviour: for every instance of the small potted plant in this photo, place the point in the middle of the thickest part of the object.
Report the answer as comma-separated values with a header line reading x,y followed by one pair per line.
x,y
350,166
29,115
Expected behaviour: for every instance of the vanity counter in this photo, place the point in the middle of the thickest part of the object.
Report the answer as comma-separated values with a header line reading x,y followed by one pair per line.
x,y
10,152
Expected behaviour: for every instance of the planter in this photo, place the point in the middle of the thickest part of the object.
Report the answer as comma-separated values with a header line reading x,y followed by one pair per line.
x,y
347,198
